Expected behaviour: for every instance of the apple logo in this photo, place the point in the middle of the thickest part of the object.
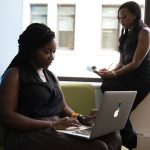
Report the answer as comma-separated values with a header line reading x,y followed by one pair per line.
x,y
116,113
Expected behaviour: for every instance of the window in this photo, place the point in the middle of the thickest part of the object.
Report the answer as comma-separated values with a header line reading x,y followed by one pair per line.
x,y
87,33
66,21
38,13
110,27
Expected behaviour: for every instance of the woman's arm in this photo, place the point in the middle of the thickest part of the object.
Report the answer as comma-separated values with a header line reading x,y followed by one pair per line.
x,y
9,116
66,109
105,73
140,52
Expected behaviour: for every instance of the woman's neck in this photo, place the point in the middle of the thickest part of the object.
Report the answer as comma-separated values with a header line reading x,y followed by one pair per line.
x,y
36,67
39,71
131,28
41,74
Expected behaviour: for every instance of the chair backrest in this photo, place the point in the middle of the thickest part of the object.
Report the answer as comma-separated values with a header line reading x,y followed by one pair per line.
x,y
80,97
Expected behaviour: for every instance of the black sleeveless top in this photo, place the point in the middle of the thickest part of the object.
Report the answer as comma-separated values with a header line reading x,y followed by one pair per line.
x,y
143,71
38,98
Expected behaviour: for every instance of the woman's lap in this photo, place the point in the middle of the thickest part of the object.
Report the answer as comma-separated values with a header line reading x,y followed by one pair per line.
x,y
46,139
127,83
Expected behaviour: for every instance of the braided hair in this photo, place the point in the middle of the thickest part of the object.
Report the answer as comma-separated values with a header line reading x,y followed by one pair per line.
x,y
135,9
35,36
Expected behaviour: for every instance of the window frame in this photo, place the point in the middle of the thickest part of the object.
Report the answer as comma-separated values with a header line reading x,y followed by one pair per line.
x,y
74,16
39,15
118,25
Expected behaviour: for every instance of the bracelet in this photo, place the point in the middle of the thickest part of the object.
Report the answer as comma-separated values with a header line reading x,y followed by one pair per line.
x,y
52,125
74,115
114,73
80,118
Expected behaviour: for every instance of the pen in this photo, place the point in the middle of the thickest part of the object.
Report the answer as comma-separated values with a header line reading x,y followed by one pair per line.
x,y
109,66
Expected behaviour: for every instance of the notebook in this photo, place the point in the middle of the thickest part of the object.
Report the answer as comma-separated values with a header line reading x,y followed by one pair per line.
x,y
111,116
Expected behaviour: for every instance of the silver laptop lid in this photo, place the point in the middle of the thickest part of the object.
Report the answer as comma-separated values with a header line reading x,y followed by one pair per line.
x,y
114,112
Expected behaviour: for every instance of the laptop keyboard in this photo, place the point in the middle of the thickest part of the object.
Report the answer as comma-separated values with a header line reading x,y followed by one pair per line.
x,y
83,132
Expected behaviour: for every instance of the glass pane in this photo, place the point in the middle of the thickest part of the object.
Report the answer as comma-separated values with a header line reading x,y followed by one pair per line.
x,y
39,14
109,11
39,19
66,19
66,39
66,24
110,23
109,39
109,27
66,10
38,9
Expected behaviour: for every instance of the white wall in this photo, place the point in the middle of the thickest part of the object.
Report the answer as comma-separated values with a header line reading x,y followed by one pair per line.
x,y
10,28
87,50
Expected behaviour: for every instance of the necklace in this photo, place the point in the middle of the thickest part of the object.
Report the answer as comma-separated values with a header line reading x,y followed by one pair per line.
x,y
42,75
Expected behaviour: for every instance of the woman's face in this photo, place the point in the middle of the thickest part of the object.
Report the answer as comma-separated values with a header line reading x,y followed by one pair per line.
x,y
126,18
44,56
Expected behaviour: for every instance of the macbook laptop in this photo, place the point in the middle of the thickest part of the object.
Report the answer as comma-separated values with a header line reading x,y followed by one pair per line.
x,y
111,116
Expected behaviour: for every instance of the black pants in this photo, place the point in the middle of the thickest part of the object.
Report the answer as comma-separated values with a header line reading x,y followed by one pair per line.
x,y
47,139
129,137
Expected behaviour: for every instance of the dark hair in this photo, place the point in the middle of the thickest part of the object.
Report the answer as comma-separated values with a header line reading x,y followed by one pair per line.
x,y
135,9
35,36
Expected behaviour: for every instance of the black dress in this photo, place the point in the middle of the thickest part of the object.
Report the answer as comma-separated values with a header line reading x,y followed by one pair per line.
x,y
43,100
138,80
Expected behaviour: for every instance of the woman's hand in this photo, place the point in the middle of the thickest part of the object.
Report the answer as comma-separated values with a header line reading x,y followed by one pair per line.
x,y
65,123
88,120
104,73
93,112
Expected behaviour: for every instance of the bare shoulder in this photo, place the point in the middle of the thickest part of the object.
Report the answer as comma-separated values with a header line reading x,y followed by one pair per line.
x,y
144,34
145,30
11,75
